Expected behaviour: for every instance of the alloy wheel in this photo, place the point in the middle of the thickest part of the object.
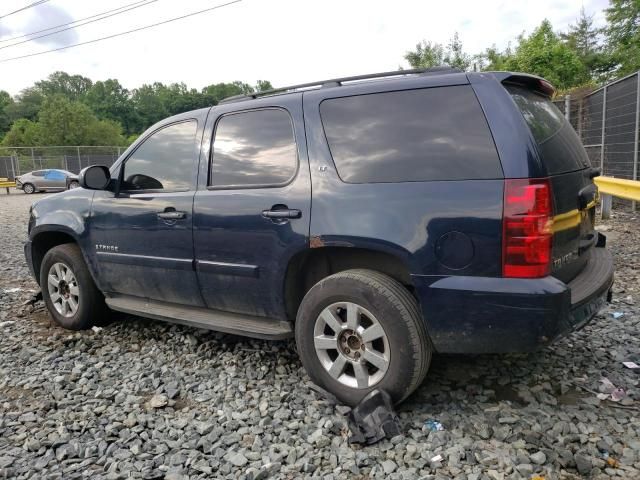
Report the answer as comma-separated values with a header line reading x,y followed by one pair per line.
x,y
63,289
351,345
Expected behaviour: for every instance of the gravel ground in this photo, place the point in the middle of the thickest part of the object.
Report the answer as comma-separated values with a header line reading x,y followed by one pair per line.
x,y
146,399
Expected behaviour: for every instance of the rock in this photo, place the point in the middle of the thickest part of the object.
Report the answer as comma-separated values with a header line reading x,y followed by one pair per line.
x,y
27,417
158,401
389,466
525,469
79,401
583,463
236,458
538,458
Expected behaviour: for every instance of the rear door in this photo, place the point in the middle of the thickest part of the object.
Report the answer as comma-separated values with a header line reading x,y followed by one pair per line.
x,y
55,179
567,165
253,205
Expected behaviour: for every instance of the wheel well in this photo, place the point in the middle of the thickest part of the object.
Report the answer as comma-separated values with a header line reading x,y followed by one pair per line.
x,y
309,267
44,242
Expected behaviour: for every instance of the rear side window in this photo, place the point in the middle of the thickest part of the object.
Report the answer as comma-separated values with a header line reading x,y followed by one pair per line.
x,y
254,149
559,146
410,136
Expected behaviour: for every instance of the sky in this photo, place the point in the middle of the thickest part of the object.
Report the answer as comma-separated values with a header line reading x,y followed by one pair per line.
x,y
283,41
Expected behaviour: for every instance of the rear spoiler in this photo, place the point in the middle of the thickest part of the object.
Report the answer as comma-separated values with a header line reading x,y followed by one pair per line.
x,y
532,82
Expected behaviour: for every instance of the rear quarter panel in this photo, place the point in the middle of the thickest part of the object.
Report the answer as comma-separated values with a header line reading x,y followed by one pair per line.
x,y
404,219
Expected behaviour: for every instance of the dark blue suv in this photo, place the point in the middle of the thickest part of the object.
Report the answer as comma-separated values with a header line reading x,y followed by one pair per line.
x,y
379,219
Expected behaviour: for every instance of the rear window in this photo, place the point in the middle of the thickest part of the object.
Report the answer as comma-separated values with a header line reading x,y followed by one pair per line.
x,y
560,148
410,136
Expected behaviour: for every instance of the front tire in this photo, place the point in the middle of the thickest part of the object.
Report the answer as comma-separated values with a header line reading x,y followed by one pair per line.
x,y
360,330
73,185
68,291
28,188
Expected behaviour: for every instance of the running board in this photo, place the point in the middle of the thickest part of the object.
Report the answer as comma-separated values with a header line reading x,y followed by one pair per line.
x,y
236,324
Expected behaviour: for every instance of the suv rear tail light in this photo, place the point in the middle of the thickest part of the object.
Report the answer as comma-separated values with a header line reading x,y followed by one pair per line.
x,y
526,228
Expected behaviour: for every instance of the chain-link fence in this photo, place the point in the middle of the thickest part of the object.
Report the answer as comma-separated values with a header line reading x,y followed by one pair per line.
x,y
608,122
15,161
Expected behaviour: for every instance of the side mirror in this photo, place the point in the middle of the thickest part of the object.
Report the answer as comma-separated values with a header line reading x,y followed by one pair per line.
x,y
95,177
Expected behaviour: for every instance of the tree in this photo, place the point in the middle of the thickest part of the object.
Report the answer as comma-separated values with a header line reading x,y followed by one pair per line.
x,y
63,122
219,91
542,53
263,86
455,55
23,133
26,105
623,35
73,87
149,105
494,59
432,54
426,55
111,101
5,119
585,40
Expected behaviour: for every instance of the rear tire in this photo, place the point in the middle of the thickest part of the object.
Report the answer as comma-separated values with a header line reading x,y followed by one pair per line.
x,y
68,291
73,185
28,188
389,348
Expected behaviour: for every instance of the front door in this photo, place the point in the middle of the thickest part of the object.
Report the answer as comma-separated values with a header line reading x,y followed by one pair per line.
x,y
253,205
143,235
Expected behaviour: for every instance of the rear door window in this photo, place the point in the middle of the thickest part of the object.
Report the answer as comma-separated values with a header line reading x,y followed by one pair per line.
x,y
252,149
410,136
559,146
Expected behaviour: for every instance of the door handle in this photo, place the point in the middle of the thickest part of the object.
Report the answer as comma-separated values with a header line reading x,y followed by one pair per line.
x,y
173,215
280,214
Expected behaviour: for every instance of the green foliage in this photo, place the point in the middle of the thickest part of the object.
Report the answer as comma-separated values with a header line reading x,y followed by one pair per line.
x,y
425,55
432,54
64,122
623,35
110,101
582,55
70,109
5,119
26,105
73,87
585,40
23,133
544,53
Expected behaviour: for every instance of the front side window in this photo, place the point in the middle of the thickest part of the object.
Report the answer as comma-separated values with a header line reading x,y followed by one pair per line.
x,y
255,148
164,161
410,136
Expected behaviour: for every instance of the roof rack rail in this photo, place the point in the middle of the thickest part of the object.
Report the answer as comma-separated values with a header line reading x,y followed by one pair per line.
x,y
336,82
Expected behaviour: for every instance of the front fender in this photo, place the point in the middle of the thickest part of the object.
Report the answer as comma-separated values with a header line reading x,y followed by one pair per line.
x,y
64,213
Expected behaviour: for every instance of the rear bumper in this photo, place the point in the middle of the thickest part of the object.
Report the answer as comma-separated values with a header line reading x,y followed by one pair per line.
x,y
499,315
